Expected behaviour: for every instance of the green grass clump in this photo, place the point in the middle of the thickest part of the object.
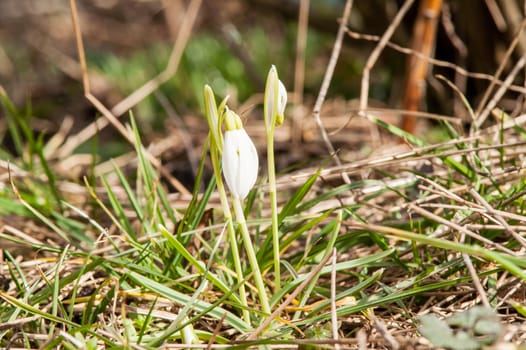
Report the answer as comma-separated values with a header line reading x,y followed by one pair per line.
x,y
126,264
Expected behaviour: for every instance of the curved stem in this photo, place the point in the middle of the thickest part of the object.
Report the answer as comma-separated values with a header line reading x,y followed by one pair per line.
x,y
274,209
214,154
247,241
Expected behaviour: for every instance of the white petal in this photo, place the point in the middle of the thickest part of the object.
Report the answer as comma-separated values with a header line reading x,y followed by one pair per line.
x,y
240,162
282,98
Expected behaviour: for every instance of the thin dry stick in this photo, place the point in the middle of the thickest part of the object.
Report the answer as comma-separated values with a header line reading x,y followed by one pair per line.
x,y
470,156
462,50
501,67
80,46
476,280
129,137
499,127
460,229
334,315
421,114
54,143
415,155
496,15
182,131
500,92
299,69
445,192
20,235
518,41
520,228
301,43
217,329
434,61
373,57
382,329
449,27
139,94
105,111
290,298
326,82
18,323
361,338
443,230
389,111
497,217
476,209
511,292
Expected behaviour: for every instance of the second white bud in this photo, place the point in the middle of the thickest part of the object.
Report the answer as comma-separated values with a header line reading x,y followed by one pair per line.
x,y
240,157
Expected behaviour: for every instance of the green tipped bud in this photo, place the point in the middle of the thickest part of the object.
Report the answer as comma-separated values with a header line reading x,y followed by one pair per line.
x,y
275,100
212,116
232,121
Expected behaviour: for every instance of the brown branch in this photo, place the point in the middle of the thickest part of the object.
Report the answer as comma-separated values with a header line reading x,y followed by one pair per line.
x,y
424,33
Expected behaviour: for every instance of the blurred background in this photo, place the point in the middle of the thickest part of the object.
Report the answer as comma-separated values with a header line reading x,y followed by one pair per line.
x,y
231,47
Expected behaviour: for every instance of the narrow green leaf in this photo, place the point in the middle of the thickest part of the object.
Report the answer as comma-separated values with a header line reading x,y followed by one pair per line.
x,y
124,223
341,266
199,265
297,197
183,299
34,311
129,193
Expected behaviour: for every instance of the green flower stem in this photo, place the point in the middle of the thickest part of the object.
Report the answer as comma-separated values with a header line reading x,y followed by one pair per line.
x,y
274,208
214,154
247,241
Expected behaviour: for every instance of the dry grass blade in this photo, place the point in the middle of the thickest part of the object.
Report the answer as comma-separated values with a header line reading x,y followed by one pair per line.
x,y
481,118
500,69
382,328
299,72
476,280
497,217
460,228
17,323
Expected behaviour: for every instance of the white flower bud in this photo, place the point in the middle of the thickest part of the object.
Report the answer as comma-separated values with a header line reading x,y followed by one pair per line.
x,y
212,115
240,157
275,99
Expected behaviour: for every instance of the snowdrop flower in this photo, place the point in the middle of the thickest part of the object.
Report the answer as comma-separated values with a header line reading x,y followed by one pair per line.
x,y
240,158
275,99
